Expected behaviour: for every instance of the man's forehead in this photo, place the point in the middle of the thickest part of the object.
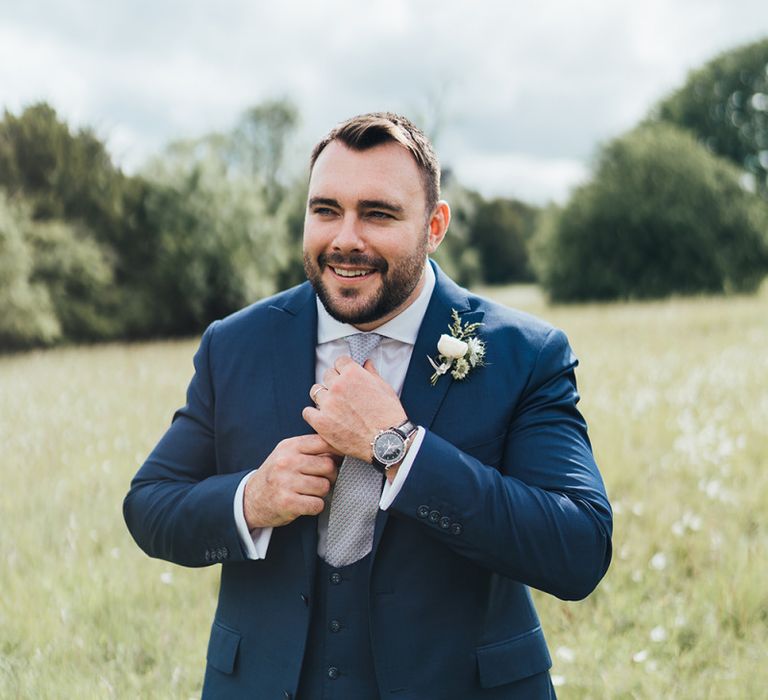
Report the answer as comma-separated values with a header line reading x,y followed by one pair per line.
x,y
386,171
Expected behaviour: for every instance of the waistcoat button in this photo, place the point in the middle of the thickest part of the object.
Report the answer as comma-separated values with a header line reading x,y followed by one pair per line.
x,y
333,673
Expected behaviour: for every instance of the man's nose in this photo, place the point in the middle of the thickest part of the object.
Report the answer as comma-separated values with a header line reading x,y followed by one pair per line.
x,y
349,235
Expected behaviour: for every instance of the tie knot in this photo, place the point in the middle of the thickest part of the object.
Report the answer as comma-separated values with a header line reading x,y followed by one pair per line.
x,y
361,345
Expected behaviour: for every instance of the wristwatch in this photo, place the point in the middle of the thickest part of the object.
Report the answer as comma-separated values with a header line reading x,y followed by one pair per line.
x,y
390,446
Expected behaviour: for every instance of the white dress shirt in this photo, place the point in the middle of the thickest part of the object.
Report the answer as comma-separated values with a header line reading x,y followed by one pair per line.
x,y
391,358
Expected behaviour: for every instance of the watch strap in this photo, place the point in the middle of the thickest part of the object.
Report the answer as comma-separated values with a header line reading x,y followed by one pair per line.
x,y
407,429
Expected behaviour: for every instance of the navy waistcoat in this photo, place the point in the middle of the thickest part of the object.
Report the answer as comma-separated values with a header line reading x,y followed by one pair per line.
x,y
338,663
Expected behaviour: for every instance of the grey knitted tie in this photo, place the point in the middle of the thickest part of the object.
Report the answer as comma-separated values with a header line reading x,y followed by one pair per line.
x,y
356,495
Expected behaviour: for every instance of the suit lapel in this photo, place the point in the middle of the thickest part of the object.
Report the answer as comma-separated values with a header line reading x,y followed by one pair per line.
x,y
294,336
419,397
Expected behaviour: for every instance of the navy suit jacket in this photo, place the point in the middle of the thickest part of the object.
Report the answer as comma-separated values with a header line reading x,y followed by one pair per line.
x,y
504,494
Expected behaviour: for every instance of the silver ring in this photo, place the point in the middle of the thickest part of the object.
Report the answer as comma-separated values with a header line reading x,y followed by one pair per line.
x,y
314,394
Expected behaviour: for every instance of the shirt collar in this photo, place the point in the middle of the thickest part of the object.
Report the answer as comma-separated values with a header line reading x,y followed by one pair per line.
x,y
404,327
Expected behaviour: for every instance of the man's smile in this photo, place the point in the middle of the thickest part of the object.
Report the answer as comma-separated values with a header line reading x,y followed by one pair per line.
x,y
351,272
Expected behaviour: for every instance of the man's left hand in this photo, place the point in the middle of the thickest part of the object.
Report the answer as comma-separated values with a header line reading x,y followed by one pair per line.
x,y
354,406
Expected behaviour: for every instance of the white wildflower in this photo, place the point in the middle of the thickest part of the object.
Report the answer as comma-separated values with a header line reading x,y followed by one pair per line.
x,y
658,634
476,350
460,369
565,654
658,561
166,577
640,657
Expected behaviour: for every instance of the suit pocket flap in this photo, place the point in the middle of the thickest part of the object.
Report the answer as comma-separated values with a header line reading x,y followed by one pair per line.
x,y
222,648
513,659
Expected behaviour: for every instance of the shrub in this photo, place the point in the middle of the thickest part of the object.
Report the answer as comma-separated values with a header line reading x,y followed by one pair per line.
x,y
27,317
662,215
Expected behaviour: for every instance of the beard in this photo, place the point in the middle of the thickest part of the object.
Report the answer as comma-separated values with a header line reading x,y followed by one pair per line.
x,y
397,283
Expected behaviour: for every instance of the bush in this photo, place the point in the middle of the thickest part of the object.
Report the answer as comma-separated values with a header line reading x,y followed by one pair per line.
x,y
77,273
27,317
500,230
661,216
211,248
54,280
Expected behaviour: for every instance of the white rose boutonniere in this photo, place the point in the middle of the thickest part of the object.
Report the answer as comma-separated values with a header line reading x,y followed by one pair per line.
x,y
459,352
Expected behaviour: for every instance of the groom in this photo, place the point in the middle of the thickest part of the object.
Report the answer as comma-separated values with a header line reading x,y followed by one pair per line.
x,y
379,505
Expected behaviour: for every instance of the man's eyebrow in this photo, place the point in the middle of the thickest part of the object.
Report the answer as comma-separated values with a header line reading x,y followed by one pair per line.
x,y
323,202
380,204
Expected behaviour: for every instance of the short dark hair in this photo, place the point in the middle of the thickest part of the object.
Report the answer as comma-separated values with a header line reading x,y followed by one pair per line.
x,y
368,130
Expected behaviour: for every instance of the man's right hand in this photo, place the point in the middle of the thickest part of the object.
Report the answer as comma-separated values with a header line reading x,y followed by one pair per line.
x,y
291,482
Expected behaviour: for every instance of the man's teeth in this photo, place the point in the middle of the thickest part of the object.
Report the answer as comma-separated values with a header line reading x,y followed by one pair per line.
x,y
350,273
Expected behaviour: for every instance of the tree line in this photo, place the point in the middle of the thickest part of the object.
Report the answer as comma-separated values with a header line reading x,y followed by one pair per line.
x,y
87,252
209,225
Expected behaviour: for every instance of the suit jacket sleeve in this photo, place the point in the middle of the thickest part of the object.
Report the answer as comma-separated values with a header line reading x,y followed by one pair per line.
x,y
541,516
179,507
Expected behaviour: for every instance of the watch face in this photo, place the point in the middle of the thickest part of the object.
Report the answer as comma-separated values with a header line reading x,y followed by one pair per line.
x,y
388,448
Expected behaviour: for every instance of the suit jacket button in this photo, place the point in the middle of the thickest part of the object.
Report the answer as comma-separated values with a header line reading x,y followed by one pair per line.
x,y
434,516
445,523
335,578
334,626
423,511
456,529
287,695
333,673
304,599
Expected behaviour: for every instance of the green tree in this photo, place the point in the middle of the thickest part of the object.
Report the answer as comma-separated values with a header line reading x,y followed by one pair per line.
x,y
259,142
662,215
78,275
27,316
456,254
64,175
725,104
500,230
214,247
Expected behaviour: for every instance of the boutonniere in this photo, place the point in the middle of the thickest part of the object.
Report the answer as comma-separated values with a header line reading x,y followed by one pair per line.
x,y
458,352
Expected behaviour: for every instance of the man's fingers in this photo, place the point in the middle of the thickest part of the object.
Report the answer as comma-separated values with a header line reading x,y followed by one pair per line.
x,y
311,444
307,485
371,367
315,391
309,505
342,362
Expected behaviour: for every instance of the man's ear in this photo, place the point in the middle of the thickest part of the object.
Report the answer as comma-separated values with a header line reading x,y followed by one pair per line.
x,y
438,225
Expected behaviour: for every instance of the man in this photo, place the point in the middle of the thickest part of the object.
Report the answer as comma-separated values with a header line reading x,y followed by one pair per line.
x,y
467,476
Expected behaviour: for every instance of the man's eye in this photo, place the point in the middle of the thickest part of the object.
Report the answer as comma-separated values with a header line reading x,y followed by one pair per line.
x,y
379,215
323,211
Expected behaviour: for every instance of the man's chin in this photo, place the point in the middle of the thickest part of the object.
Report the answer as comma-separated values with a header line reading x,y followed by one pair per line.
x,y
345,312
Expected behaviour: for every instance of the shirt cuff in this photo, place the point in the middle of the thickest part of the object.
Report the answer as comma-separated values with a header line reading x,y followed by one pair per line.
x,y
256,541
391,490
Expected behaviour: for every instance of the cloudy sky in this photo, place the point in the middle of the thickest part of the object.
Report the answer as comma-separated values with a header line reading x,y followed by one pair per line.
x,y
518,94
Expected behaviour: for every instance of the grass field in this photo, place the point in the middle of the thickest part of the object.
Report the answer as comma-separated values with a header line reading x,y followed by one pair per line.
x,y
676,395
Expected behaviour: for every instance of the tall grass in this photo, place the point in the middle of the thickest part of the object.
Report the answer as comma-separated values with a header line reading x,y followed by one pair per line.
x,y
676,395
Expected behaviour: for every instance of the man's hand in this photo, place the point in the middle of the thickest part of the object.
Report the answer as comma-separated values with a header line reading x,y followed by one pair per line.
x,y
357,404
291,482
